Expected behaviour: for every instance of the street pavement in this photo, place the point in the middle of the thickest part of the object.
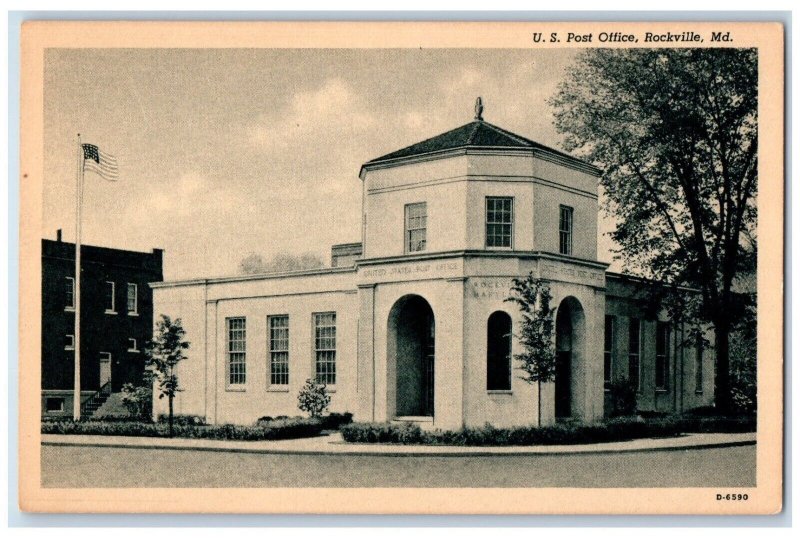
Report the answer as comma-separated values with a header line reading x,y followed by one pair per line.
x,y
115,467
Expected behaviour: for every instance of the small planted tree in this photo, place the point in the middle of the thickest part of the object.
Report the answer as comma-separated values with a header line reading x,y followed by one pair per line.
x,y
313,398
538,356
164,353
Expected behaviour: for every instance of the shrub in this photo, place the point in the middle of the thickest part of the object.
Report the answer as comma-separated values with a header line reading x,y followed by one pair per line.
x,y
287,429
743,397
59,418
382,432
313,398
138,400
617,429
184,420
622,393
269,422
334,421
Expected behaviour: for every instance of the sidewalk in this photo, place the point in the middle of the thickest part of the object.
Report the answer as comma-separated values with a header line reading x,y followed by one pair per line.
x,y
334,445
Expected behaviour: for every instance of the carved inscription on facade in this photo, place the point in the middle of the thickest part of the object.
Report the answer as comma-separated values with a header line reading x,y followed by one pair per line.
x,y
407,272
572,274
489,289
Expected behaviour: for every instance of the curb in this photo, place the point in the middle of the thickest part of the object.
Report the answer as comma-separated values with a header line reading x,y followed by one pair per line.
x,y
418,453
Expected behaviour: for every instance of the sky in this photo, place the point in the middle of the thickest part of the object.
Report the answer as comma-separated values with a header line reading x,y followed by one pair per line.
x,y
227,152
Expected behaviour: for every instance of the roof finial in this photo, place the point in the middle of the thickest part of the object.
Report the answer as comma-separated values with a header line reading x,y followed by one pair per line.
x,y
478,109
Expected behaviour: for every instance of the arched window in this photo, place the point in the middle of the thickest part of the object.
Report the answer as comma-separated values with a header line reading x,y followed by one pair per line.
x,y
498,352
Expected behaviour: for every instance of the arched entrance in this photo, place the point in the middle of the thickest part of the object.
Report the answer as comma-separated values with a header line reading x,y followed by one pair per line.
x,y
569,353
411,345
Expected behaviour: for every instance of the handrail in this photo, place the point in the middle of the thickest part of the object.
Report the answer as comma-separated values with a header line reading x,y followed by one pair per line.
x,y
105,390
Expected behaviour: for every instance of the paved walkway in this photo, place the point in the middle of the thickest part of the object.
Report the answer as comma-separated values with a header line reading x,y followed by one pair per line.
x,y
333,444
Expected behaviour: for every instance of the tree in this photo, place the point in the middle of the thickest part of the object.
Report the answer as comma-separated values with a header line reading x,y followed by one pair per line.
x,y
675,131
164,353
313,398
254,264
538,357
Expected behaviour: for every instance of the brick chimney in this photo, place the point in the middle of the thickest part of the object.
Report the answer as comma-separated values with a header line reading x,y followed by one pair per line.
x,y
58,235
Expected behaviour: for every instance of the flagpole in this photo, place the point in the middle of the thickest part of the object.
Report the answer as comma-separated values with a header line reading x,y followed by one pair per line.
x,y
77,294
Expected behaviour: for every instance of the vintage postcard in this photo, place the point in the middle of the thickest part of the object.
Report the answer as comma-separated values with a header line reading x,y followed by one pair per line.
x,y
402,267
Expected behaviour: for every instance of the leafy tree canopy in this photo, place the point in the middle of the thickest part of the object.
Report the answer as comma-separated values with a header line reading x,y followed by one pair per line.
x,y
675,132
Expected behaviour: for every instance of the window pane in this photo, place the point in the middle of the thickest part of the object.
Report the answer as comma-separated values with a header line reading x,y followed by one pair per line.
x,y
237,349
499,221
416,226
662,355
565,230
633,336
634,345
498,352
325,347
70,300
698,366
110,296
132,298
279,350
608,350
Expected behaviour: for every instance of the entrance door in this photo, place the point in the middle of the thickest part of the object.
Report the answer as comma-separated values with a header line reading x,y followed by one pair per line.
x,y
429,362
563,384
105,368
569,354
411,351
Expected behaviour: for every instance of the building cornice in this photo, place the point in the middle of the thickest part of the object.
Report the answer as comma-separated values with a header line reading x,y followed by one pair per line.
x,y
247,278
519,254
569,162
484,178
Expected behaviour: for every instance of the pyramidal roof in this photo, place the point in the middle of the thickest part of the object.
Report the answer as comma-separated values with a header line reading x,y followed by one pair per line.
x,y
476,134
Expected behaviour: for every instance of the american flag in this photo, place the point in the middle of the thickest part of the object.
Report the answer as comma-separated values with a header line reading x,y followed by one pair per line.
x,y
98,161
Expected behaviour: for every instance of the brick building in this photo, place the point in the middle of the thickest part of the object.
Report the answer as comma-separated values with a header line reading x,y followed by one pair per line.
x,y
116,319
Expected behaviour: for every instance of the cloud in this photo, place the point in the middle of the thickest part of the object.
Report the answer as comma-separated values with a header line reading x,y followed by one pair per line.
x,y
313,117
191,197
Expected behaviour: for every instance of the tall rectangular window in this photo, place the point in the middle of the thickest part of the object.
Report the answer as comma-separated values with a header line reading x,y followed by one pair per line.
x,y
634,349
608,351
133,298
237,351
278,350
698,366
565,229
499,221
662,356
416,227
325,347
69,303
109,298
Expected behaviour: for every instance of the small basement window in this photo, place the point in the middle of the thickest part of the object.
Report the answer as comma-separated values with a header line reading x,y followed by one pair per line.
x,y
54,405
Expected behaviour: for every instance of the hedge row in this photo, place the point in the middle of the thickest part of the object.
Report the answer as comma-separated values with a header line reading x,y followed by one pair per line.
x,y
277,429
332,421
623,429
